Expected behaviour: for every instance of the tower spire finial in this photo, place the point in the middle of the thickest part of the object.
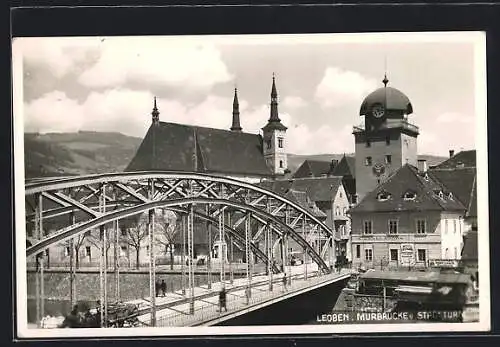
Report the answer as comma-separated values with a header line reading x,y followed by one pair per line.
x,y
155,113
236,112
385,80
274,102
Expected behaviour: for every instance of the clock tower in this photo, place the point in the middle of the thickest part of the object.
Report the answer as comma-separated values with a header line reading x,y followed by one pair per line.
x,y
386,141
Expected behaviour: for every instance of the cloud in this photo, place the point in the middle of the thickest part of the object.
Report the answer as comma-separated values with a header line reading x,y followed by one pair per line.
x,y
59,56
121,110
129,112
159,61
340,87
293,102
453,117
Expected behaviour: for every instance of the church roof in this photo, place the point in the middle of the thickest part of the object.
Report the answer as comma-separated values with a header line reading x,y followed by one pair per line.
x,y
174,147
390,98
464,159
462,183
422,194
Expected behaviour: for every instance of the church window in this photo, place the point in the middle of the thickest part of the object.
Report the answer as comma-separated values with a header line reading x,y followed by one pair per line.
x,y
88,251
368,161
358,251
388,159
67,251
281,164
337,211
387,140
280,142
268,142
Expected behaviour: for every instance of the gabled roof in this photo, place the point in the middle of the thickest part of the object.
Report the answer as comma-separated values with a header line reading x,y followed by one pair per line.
x,y
462,183
170,146
303,200
314,168
408,179
346,167
316,188
463,159
319,188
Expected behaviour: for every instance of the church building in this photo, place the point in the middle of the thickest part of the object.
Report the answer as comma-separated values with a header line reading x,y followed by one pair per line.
x,y
231,153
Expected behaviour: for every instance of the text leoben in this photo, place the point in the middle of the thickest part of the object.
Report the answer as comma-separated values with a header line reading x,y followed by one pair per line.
x,y
381,317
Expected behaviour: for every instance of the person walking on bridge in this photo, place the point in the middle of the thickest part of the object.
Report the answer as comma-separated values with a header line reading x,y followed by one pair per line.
x,y
163,287
222,299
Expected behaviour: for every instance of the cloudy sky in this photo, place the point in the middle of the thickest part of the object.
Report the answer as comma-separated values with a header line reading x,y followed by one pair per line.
x,y
108,84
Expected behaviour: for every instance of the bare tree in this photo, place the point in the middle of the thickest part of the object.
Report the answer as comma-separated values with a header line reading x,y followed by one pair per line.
x,y
135,236
94,238
166,221
78,243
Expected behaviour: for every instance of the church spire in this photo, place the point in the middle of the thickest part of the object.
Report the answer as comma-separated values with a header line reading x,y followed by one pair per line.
x,y
274,103
155,113
236,112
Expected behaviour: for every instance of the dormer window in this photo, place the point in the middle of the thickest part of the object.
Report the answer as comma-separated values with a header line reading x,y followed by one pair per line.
x,y
439,193
409,195
450,196
383,196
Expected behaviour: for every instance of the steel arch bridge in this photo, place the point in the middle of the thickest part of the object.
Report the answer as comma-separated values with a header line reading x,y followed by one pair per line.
x,y
256,220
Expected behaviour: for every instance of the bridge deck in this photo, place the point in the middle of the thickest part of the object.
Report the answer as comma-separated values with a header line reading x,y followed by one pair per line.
x,y
173,309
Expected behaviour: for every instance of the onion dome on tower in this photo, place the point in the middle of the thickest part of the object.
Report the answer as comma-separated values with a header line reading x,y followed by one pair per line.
x,y
391,100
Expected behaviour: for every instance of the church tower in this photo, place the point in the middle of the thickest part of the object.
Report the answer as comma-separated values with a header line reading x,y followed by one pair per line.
x,y
274,134
386,141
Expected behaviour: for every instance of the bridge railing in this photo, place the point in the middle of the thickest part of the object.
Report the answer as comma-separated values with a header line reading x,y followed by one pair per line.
x,y
208,311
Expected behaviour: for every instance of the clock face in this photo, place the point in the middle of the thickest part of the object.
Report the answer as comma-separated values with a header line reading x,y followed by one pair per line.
x,y
378,111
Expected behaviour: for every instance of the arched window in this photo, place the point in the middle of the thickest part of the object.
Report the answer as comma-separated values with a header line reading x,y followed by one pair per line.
x,y
345,211
337,211
456,253
281,163
446,253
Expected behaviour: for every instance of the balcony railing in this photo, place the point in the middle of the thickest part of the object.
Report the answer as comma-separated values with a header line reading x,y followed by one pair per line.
x,y
389,124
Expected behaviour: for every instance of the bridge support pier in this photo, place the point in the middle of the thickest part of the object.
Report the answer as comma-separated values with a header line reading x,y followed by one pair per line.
x,y
190,235
248,258
152,280
183,255
209,246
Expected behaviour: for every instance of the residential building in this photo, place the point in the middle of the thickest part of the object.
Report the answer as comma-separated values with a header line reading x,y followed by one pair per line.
x,y
409,219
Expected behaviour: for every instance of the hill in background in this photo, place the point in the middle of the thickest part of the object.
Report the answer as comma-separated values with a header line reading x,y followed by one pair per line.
x,y
88,152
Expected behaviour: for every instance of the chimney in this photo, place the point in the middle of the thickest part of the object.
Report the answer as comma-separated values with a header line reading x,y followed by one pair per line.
x,y
422,166
452,153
